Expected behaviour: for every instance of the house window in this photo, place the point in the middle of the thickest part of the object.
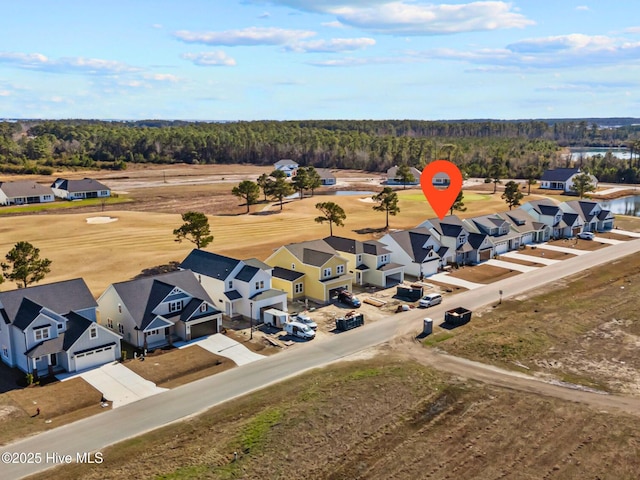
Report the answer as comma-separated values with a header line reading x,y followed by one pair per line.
x,y
293,266
119,308
121,329
384,258
339,269
152,332
230,284
175,306
93,333
5,351
298,288
260,285
326,272
203,307
359,258
60,326
42,333
110,323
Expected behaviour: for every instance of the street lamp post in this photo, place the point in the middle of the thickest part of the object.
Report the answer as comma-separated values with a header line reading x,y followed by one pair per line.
x,y
500,302
251,319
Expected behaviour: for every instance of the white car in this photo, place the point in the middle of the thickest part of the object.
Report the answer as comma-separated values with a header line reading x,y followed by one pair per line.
x,y
306,319
430,300
586,235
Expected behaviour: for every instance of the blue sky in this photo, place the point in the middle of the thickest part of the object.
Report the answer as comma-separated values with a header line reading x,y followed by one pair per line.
x,y
319,59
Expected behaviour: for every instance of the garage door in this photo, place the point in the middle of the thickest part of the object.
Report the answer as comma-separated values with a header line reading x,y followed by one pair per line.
x,y
203,329
485,254
501,247
94,358
333,293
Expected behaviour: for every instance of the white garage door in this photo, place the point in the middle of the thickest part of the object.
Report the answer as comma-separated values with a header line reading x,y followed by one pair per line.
x,y
502,247
527,238
95,357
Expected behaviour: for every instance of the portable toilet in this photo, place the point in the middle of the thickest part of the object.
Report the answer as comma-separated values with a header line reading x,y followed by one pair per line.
x,y
427,328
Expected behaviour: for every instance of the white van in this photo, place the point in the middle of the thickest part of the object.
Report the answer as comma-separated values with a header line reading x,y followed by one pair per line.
x,y
298,329
430,300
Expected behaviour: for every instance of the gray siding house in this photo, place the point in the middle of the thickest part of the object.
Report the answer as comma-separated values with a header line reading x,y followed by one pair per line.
x,y
24,192
79,189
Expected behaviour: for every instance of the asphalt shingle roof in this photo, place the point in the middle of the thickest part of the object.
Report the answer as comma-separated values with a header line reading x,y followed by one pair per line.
x,y
413,241
24,188
286,274
559,174
246,273
84,185
313,252
209,264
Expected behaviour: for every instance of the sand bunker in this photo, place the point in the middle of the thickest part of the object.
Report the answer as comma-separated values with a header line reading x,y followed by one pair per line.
x,y
367,200
101,219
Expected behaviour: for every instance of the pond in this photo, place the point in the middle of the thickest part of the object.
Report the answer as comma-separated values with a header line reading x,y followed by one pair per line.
x,y
585,152
337,192
623,206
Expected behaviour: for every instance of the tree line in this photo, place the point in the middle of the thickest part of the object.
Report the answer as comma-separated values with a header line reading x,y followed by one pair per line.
x,y
475,146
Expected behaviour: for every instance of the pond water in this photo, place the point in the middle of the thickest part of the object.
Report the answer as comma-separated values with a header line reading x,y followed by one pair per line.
x,y
623,206
585,152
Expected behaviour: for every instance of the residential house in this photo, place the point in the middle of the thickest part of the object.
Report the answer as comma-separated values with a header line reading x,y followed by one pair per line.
x,y
562,179
52,328
450,232
237,287
370,261
440,179
530,230
23,192
549,213
79,189
287,166
392,176
593,216
326,177
417,249
154,311
325,271
499,231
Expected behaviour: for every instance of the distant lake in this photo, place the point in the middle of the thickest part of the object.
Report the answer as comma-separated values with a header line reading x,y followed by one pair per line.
x,y
623,206
576,152
337,192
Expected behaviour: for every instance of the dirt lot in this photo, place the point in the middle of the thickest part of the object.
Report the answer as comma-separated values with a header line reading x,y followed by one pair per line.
x,y
521,262
582,330
545,253
483,273
380,419
578,243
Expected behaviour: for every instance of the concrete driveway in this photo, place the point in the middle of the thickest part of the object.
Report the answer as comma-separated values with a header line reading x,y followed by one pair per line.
x,y
529,258
458,282
118,384
510,265
224,346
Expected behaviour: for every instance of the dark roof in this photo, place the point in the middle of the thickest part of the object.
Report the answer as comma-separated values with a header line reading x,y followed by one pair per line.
x,y
60,297
285,162
374,247
548,209
246,273
209,264
449,226
325,173
362,267
559,174
232,295
27,313
84,185
570,218
286,274
24,188
412,242
476,239
313,252
583,208
143,295
76,326
53,345
604,214
342,244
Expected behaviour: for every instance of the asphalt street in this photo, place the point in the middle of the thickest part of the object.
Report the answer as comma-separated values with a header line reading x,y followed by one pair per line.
x,y
96,432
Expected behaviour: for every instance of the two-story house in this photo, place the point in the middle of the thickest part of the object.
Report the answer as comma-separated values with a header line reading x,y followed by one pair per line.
x,y
237,287
450,232
529,229
79,189
499,231
417,249
22,192
324,271
154,311
594,217
370,261
52,328
549,213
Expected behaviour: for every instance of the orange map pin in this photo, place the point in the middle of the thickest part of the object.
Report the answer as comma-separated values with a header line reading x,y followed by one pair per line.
x,y
441,200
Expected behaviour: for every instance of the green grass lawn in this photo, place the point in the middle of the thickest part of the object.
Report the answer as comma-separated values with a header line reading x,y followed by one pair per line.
x,y
63,205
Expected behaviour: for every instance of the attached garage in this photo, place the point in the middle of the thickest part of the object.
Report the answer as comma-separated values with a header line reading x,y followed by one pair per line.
x,y
502,247
485,254
94,357
526,239
333,293
210,327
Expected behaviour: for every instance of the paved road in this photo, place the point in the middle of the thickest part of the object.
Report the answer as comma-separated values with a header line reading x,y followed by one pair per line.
x,y
94,433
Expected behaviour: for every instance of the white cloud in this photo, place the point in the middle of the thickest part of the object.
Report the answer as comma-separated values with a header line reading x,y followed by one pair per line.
x,y
562,51
162,77
632,30
157,26
582,8
334,24
93,66
334,45
359,62
427,19
210,59
246,36
4,93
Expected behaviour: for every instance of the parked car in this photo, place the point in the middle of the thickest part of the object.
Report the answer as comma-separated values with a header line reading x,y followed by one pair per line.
x,y
586,235
301,330
430,299
307,320
349,298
